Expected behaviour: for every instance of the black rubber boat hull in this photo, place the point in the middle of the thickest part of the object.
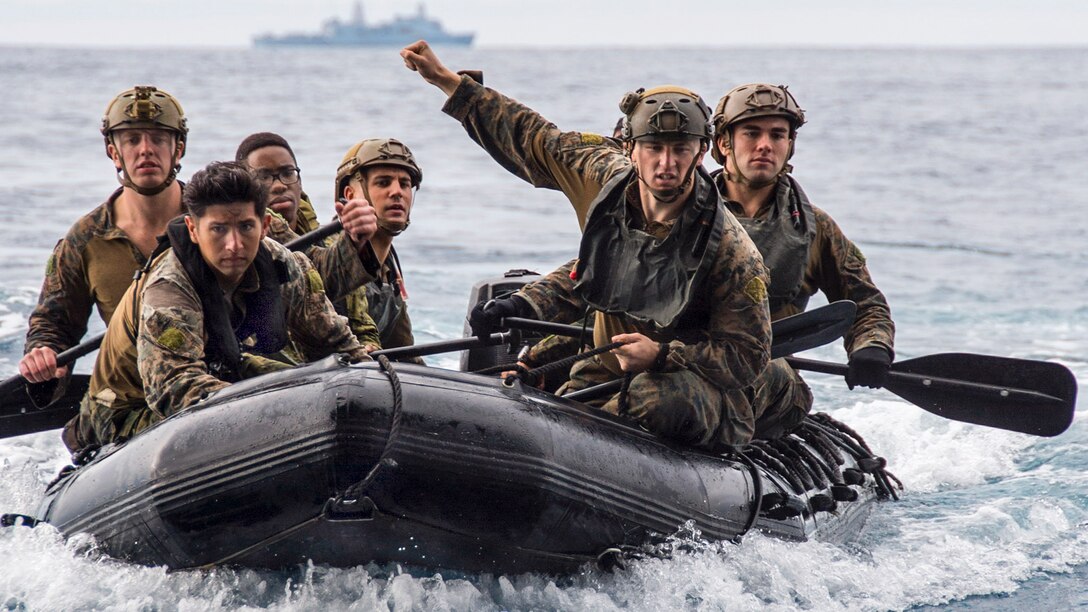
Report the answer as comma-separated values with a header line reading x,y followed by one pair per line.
x,y
478,477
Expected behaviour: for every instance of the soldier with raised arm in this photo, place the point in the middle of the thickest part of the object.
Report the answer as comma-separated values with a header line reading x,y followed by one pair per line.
x,y
670,272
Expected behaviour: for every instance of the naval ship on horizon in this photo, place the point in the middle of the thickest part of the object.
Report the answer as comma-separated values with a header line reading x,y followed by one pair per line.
x,y
403,30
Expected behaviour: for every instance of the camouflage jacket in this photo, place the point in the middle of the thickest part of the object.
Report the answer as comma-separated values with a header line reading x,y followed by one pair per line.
x,y
92,265
338,261
730,345
354,305
170,343
837,267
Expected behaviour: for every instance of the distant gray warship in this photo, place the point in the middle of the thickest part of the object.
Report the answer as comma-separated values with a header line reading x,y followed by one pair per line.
x,y
403,30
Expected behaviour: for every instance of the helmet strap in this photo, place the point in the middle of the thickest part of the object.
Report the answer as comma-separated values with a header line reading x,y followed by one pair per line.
x,y
126,181
392,230
668,196
738,176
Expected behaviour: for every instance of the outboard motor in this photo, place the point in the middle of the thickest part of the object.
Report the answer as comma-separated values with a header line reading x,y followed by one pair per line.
x,y
489,288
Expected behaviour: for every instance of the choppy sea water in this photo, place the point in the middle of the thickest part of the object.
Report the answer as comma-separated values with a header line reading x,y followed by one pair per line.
x,y
958,173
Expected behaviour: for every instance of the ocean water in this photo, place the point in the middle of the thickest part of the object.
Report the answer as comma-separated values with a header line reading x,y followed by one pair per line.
x,y
958,173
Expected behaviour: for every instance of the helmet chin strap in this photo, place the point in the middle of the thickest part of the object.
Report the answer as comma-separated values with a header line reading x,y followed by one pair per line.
x,y
738,176
393,229
125,181
668,196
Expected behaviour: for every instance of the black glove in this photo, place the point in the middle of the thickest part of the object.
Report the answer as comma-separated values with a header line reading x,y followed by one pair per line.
x,y
869,367
486,316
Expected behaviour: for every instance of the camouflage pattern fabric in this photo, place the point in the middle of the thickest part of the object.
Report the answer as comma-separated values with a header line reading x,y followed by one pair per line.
x,y
169,351
724,344
338,262
91,266
837,267
354,305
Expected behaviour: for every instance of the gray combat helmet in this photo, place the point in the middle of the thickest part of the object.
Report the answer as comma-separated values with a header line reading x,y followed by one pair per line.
x,y
667,111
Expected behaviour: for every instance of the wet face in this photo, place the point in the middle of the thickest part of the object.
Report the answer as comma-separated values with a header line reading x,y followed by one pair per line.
x,y
273,165
229,236
761,147
663,164
390,191
145,155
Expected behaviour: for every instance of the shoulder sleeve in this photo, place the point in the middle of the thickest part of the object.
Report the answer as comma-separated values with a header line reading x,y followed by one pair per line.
x,y
339,263
553,298
65,302
534,149
737,344
170,348
311,319
838,269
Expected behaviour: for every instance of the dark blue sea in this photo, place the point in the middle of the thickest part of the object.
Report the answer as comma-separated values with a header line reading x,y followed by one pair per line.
x,y
959,173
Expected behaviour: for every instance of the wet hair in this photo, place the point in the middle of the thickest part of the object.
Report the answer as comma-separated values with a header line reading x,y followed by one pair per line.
x,y
259,141
223,183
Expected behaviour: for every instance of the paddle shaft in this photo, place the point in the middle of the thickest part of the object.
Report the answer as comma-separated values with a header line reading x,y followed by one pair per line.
x,y
790,335
935,383
443,346
797,333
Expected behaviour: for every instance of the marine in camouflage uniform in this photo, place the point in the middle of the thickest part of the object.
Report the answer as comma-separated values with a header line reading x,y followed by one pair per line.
x,y
269,155
801,244
95,263
141,127
157,362
96,260
385,173
716,344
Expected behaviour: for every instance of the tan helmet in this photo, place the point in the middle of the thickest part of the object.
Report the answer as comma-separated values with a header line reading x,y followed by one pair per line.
x,y
751,101
666,111
377,152
144,106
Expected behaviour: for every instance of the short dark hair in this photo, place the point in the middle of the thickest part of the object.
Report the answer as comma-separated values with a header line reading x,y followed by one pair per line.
x,y
223,183
259,141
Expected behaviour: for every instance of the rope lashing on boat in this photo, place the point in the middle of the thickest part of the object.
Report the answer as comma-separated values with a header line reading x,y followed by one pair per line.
x,y
757,500
883,476
809,459
772,464
863,455
352,495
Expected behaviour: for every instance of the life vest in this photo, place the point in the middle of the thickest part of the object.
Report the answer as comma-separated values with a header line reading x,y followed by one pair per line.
x,y
783,237
265,317
385,302
623,270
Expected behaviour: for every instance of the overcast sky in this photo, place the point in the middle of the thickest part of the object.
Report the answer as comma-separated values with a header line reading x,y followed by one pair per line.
x,y
233,23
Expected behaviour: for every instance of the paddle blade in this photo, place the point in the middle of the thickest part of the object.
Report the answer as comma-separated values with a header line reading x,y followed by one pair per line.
x,y
811,329
19,416
1033,397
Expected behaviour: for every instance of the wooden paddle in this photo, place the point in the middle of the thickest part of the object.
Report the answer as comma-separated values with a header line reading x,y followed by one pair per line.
x,y
1032,397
